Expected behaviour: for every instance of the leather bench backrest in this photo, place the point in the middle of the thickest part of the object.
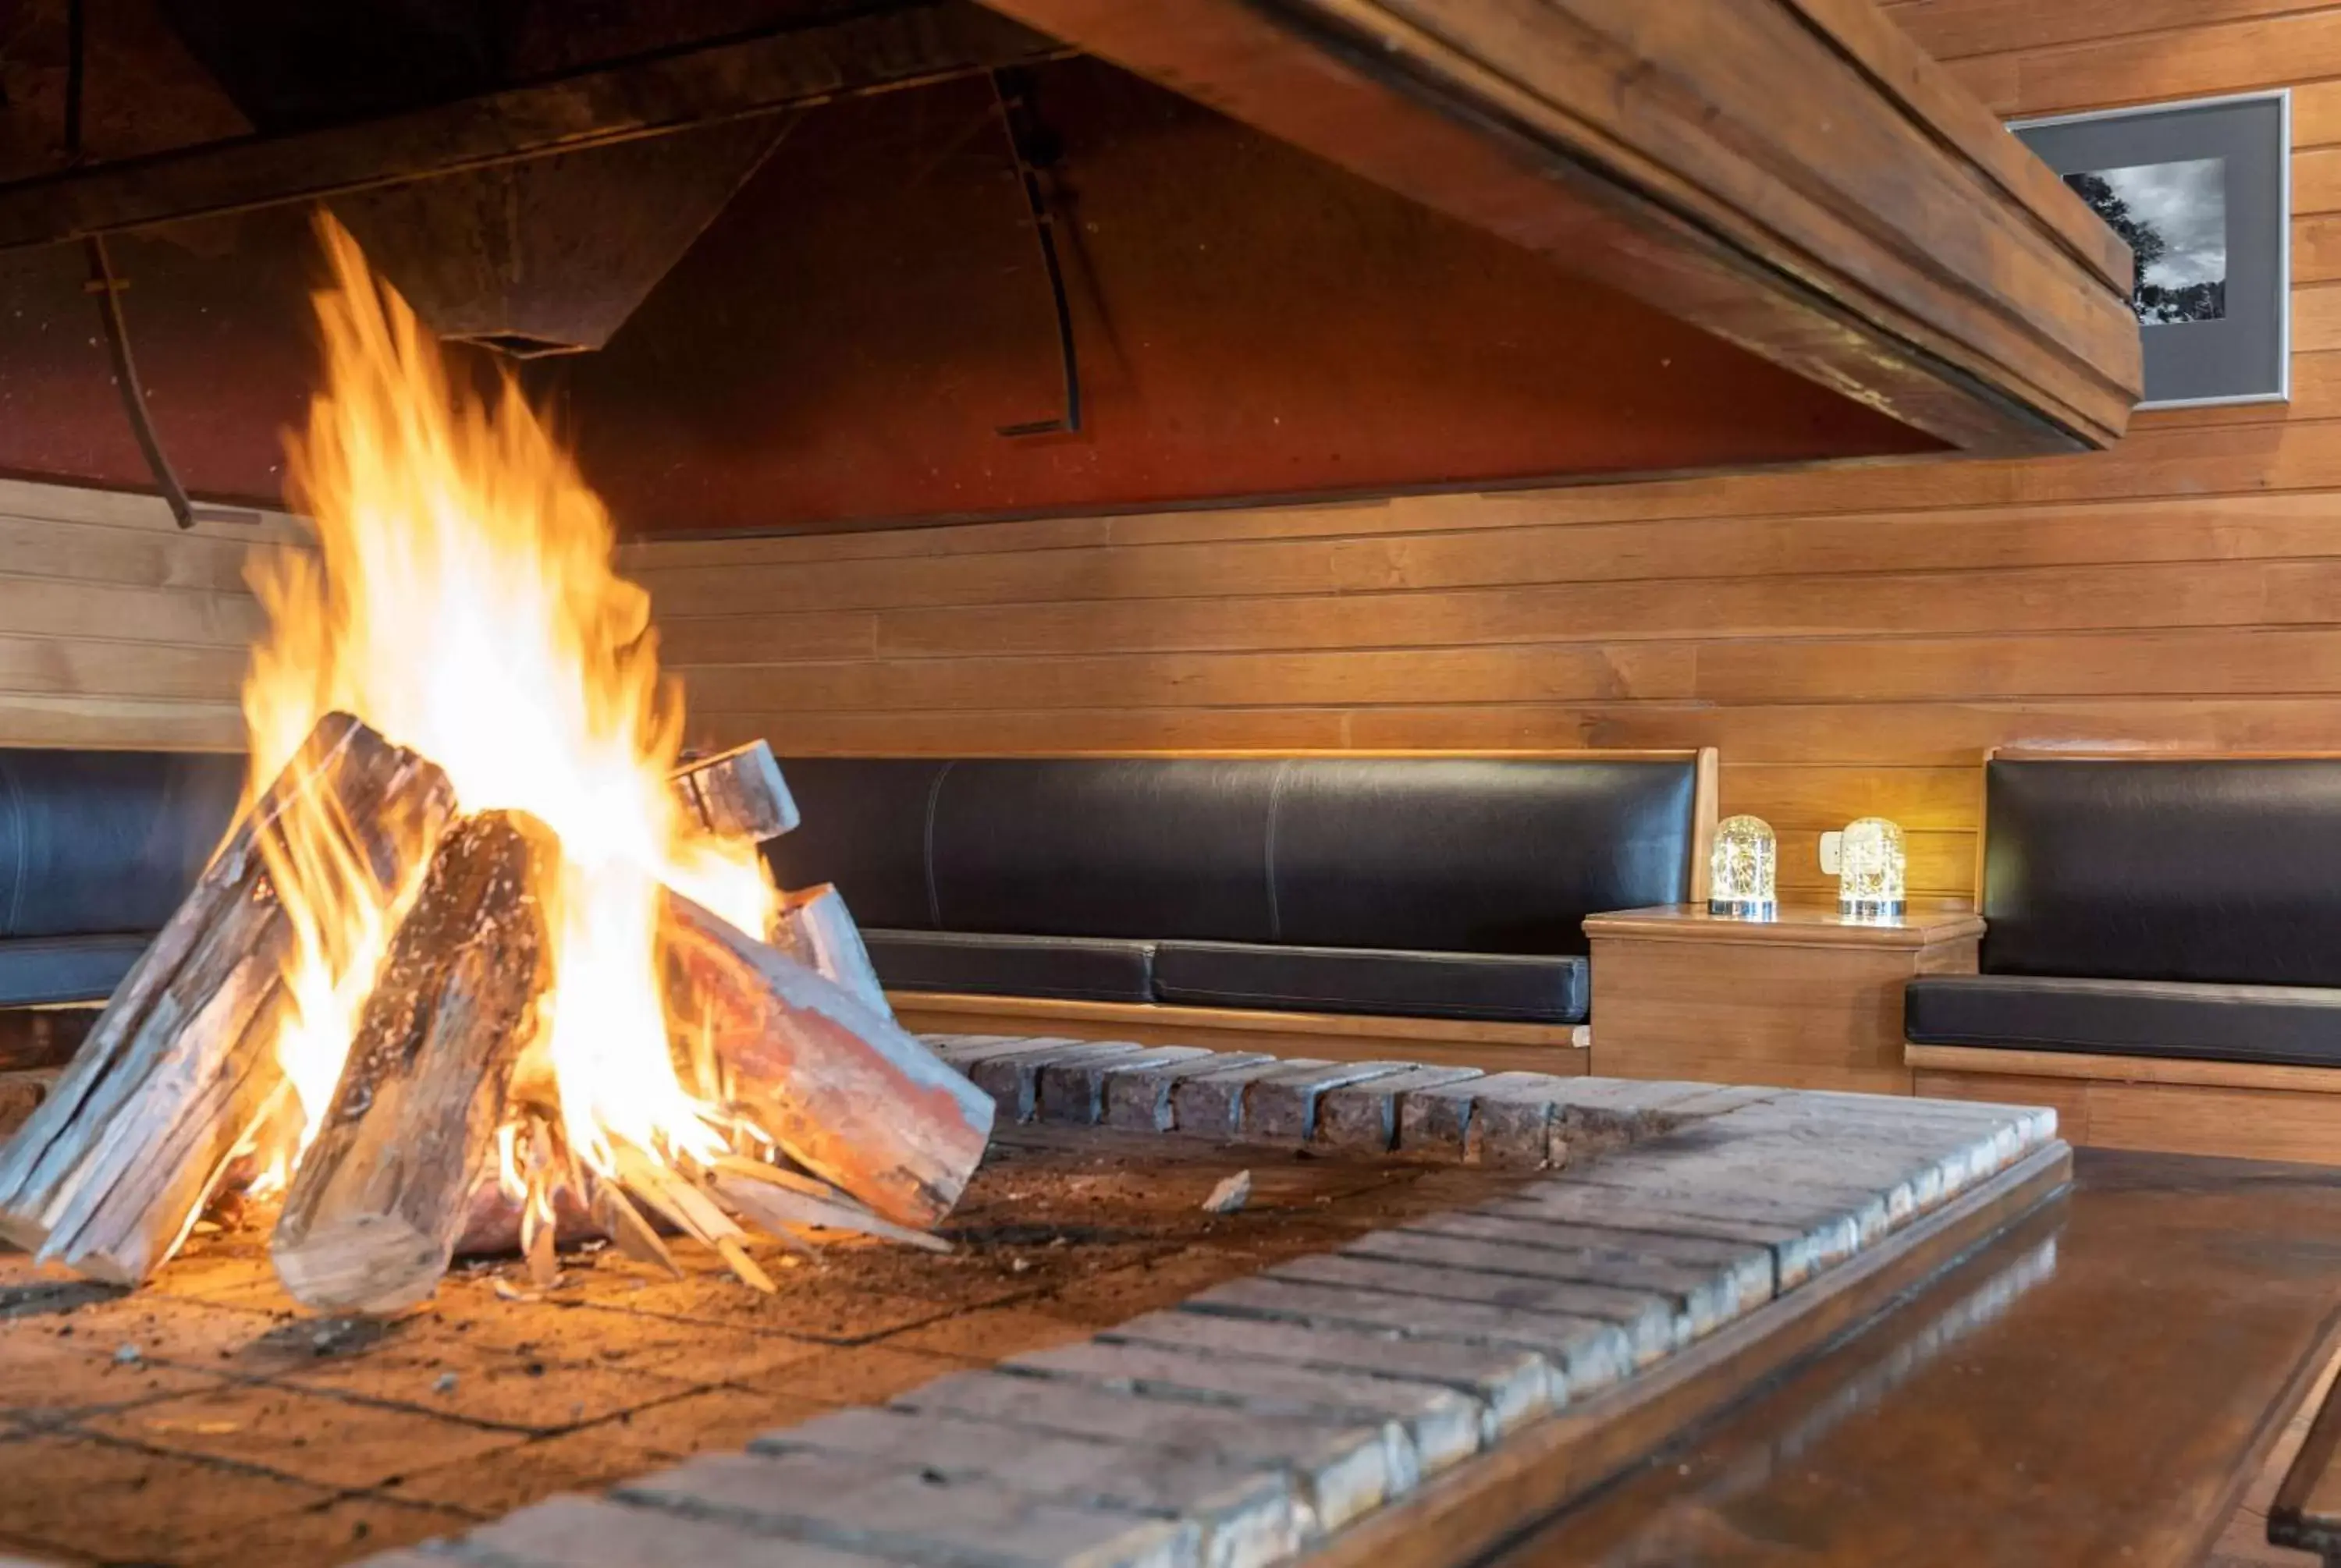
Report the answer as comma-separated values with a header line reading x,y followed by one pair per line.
x,y
2225,871
106,841
866,828
1461,855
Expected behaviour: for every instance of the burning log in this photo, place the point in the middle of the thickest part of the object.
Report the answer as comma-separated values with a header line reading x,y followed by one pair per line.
x,y
372,1217
841,1089
816,929
778,1200
739,794
180,1071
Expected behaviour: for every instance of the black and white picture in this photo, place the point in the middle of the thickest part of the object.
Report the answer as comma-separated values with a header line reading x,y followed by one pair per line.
x,y
2201,191
2174,217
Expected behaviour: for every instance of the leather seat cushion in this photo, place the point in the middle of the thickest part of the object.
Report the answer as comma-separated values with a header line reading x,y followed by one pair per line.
x,y
2220,870
106,841
1491,987
1473,855
1423,854
1105,847
37,972
2280,1025
1080,969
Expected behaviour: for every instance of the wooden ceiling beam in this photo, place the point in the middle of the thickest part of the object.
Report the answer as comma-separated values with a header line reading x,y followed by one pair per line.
x,y
1792,176
735,79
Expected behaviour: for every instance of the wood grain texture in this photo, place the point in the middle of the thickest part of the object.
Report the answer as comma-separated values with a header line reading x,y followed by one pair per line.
x,y
1805,1003
1795,926
2306,1511
1642,146
2172,1116
116,629
373,1216
1852,640
2088,1066
837,1086
179,1069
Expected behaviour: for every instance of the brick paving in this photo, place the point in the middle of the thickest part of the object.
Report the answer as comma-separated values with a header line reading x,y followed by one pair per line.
x,y
1266,1412
205,1421
1101,1375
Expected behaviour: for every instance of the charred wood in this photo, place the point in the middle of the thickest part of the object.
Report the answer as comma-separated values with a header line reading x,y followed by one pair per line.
x,y
375,1213
180,1071
839,1088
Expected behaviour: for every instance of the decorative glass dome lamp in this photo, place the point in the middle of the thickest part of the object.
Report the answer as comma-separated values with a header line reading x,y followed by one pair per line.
x,y
1744,869
1870,864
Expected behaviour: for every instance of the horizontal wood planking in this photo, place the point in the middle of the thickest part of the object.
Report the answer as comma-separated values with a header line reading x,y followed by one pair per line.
x,y
2302,44
1955,29
119,629
1853,640
2268,1124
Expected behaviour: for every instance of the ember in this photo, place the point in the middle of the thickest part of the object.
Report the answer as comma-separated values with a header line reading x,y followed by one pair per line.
x,y
481,952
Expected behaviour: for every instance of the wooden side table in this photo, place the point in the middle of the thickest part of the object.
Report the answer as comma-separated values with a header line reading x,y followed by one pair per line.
x,y
1808,1000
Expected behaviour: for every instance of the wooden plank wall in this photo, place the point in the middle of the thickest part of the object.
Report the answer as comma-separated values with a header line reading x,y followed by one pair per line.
x,y
117,629
1851,640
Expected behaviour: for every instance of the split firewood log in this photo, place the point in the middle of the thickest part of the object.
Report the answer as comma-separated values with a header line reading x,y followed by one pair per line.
x,y
839,1088
180,1071
739,793
373,1215
816,929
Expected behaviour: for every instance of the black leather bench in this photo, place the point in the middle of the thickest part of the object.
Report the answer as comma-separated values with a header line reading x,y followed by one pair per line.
x,y
1433,888
96,850
2142,907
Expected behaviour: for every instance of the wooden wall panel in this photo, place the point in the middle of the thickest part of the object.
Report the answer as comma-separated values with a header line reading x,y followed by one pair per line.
x,y
118,630
1851,640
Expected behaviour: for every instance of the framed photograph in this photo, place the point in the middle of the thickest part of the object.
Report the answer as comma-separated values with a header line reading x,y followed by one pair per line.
x,y
2202,191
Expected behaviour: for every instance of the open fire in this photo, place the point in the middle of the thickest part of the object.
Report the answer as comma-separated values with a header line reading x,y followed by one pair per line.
x,y
475,958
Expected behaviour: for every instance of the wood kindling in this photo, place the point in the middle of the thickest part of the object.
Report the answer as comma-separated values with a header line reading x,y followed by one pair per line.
x,y
838,1087
445,1132
739,793
180,1073
373,1217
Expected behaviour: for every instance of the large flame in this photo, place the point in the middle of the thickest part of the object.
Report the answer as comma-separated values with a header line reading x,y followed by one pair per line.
x,y
460,599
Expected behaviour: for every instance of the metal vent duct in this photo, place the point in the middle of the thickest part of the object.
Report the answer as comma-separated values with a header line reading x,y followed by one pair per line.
x,y
552,255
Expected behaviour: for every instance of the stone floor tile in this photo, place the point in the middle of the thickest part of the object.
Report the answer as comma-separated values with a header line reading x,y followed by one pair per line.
x,y
1012,1079
591,1532
117,1504
711,1421
1282,1108
310,1438
1211,1105
1512,1386
1071,1092
841,1501
1442,1425
585,1460
1248,1514
1362,1119
1345,1467
863,1374
1138,1098
524,1392
987,1335
335,1532
44,1381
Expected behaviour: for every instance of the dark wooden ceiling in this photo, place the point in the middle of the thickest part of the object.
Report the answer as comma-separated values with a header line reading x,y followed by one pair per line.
x,y
860,334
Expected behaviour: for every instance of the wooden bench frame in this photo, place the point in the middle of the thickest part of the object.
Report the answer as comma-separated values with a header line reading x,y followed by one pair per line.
x,y
1340,1037
2174,1104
